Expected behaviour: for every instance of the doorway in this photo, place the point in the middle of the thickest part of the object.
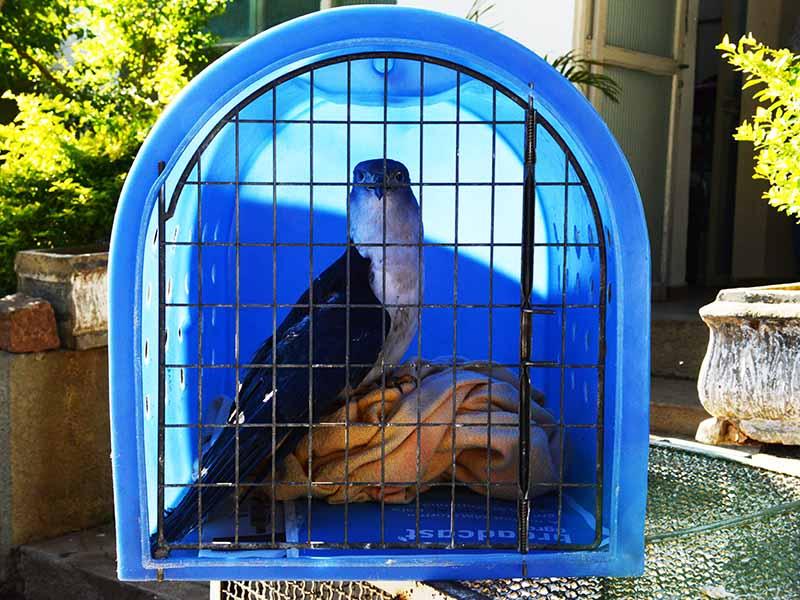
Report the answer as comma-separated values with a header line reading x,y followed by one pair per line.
x,y
712,182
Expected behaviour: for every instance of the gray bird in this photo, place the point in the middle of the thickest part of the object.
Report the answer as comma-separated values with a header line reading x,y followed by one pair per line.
x,y
385,286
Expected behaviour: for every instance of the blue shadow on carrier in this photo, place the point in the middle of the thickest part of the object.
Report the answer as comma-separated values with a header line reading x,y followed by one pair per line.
x,y
536,260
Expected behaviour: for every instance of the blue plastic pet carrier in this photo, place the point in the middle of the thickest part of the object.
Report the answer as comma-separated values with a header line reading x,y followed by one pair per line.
x,y
536,280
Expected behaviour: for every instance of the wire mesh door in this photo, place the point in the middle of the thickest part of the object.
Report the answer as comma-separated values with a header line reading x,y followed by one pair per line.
x,y
507,262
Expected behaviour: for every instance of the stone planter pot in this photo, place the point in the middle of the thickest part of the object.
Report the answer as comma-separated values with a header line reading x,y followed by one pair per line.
x,y
750,377
74,281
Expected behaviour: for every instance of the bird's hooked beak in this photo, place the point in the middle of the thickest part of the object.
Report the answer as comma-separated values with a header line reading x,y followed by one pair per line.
x,y
382,204
380,176
372,181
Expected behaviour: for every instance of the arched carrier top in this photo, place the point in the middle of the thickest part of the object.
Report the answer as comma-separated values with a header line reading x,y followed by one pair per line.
x,y
503,66
523,103
349,58
571,175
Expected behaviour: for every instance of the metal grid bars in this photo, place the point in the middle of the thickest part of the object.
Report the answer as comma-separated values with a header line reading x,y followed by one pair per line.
x,y
236,291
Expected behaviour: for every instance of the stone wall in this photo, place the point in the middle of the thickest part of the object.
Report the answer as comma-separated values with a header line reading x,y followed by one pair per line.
x,y
55,466
55,475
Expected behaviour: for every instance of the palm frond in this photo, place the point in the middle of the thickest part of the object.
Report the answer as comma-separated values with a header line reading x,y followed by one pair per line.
x,y
478,9
579,70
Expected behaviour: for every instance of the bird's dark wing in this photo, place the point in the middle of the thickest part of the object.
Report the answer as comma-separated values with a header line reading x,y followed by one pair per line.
x,y
298,387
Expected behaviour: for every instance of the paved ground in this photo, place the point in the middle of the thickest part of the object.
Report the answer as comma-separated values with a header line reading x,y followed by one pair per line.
x,y
82,565
675,408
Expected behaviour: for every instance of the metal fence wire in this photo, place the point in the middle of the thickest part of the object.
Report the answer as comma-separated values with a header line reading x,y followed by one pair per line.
x,y
715,528
197,184
300,590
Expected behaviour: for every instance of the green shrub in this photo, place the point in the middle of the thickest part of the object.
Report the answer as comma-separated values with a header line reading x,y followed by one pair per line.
x,y
774,130
89,78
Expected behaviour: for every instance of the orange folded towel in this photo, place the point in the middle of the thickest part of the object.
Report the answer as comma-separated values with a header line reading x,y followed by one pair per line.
x,y
399,442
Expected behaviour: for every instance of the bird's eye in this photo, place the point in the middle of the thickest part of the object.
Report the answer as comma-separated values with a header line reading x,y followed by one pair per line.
x,y
398,175
359,176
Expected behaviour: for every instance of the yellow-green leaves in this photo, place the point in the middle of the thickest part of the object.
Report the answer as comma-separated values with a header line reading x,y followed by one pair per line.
x,y
89,78
774,130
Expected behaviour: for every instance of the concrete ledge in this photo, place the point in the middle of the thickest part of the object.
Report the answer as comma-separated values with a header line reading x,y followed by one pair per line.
x,y
82,566
74,281
678,346
675,408
55,475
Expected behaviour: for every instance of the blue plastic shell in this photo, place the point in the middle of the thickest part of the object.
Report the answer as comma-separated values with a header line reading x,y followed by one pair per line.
x,y
194,115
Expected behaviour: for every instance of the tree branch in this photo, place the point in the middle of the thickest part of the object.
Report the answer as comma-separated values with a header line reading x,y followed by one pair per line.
x,y
39,66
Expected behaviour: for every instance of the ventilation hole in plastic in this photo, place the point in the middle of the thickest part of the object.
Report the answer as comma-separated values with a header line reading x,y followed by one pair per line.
x,y
183,379
166,339
148,294
186,284
146,351
213,274
169,288
147,406
383,65
175,233
155,236
180,334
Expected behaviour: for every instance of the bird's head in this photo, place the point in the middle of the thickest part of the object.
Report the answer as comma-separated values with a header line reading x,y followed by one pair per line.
x,y
382,188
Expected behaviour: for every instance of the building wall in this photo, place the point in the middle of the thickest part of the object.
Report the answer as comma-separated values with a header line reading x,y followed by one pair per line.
x,y
544,26
55,472
762,238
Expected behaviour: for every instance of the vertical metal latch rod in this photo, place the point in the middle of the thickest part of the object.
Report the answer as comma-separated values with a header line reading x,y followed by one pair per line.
x,y
526,316
162,551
